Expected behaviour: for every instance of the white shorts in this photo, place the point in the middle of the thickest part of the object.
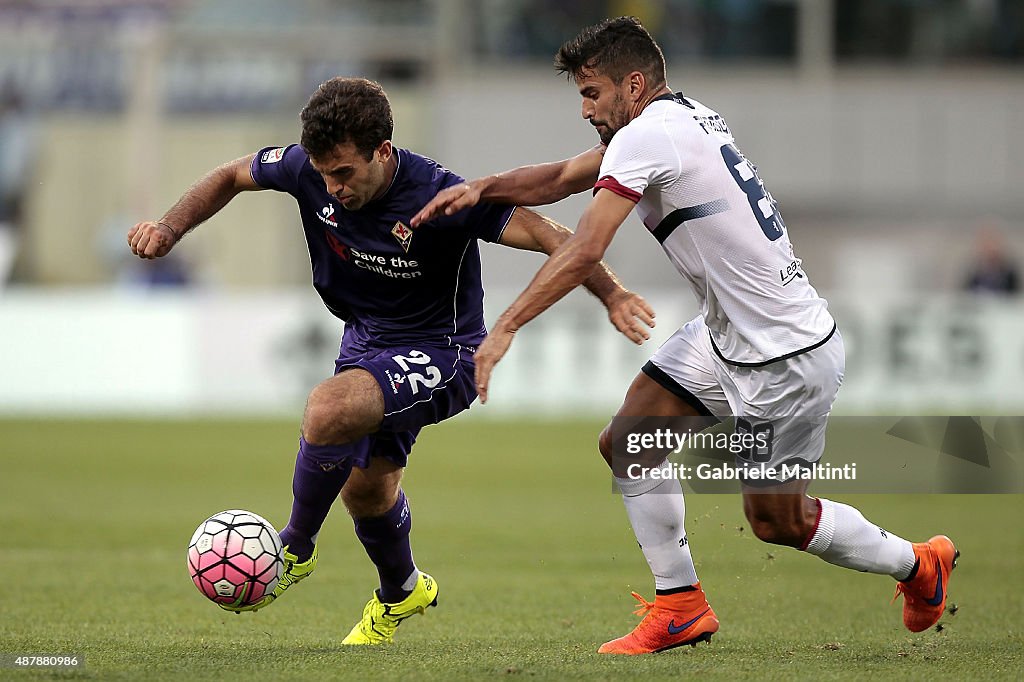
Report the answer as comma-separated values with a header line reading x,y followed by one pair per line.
x,y
790,398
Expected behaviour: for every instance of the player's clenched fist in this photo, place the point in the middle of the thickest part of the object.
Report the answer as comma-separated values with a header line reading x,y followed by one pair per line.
x,y
152,239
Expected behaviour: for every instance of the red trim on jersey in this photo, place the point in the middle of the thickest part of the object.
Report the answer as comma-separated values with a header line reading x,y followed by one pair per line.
x,y
817,520
610,183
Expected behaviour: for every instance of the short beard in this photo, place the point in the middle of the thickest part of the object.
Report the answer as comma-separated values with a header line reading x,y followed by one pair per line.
x,y
614,124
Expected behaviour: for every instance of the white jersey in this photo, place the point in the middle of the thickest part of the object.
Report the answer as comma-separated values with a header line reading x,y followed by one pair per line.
x,y
706,205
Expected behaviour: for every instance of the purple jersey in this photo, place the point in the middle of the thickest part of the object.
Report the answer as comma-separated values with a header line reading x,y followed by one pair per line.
x,y
392,285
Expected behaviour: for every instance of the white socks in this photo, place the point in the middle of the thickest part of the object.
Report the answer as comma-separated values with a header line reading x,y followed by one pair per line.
x,y
845,538
657,512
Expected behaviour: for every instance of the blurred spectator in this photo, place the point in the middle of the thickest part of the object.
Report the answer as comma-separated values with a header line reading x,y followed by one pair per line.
x,y
994,271
16,143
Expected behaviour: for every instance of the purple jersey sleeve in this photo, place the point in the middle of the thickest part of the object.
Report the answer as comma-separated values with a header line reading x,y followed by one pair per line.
x,y
488,221
278,167
484,221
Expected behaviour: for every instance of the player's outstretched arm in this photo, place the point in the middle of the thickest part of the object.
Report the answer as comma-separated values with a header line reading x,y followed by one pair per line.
x,y
200,202
536,185
627,311
571,263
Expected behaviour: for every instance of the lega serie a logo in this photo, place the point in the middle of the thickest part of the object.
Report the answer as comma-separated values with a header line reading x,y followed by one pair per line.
x,y
272,155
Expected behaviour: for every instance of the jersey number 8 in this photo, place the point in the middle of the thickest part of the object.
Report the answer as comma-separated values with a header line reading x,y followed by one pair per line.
x,y
761,202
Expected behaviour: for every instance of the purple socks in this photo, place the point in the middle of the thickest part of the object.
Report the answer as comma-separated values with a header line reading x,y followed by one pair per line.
x,y
320,474
386,540
318,479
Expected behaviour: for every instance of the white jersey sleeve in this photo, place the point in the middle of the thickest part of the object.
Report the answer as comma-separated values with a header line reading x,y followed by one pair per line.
x,y
637,158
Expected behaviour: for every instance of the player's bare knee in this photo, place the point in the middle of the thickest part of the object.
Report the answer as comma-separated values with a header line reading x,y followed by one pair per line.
x,y
328,420
321,423
327,427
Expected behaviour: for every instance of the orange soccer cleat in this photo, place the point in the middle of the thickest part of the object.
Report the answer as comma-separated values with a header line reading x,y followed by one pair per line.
x,y
669,621
924,596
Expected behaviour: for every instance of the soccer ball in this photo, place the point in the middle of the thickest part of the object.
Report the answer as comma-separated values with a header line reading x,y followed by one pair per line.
x,y
235,558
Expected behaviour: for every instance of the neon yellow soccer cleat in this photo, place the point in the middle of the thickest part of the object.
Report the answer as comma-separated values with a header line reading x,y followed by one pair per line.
x,y
380,620
293,573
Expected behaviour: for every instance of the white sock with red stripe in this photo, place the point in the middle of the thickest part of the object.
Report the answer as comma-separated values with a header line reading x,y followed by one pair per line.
x,y
657,513
845,538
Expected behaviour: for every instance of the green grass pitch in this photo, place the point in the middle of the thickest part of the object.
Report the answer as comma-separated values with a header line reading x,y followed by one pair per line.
x,y
516,520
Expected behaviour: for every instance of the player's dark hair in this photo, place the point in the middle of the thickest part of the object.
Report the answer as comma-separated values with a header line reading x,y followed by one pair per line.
x,y
615,48
344,110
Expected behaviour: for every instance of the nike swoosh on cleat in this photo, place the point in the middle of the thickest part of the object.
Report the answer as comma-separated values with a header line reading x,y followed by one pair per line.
x,y
937,597
674,629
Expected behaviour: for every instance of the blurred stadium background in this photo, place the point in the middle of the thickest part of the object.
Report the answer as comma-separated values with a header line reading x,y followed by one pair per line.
x,y
890,131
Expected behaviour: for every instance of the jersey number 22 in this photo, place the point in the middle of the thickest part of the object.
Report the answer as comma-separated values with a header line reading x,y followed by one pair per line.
x,y
418,357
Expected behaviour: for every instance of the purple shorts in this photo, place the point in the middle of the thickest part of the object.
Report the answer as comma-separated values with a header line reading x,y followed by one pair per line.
x,y
421,384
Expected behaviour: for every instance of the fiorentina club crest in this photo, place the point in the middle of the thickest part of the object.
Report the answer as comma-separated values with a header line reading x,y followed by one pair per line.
x,y
403,234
